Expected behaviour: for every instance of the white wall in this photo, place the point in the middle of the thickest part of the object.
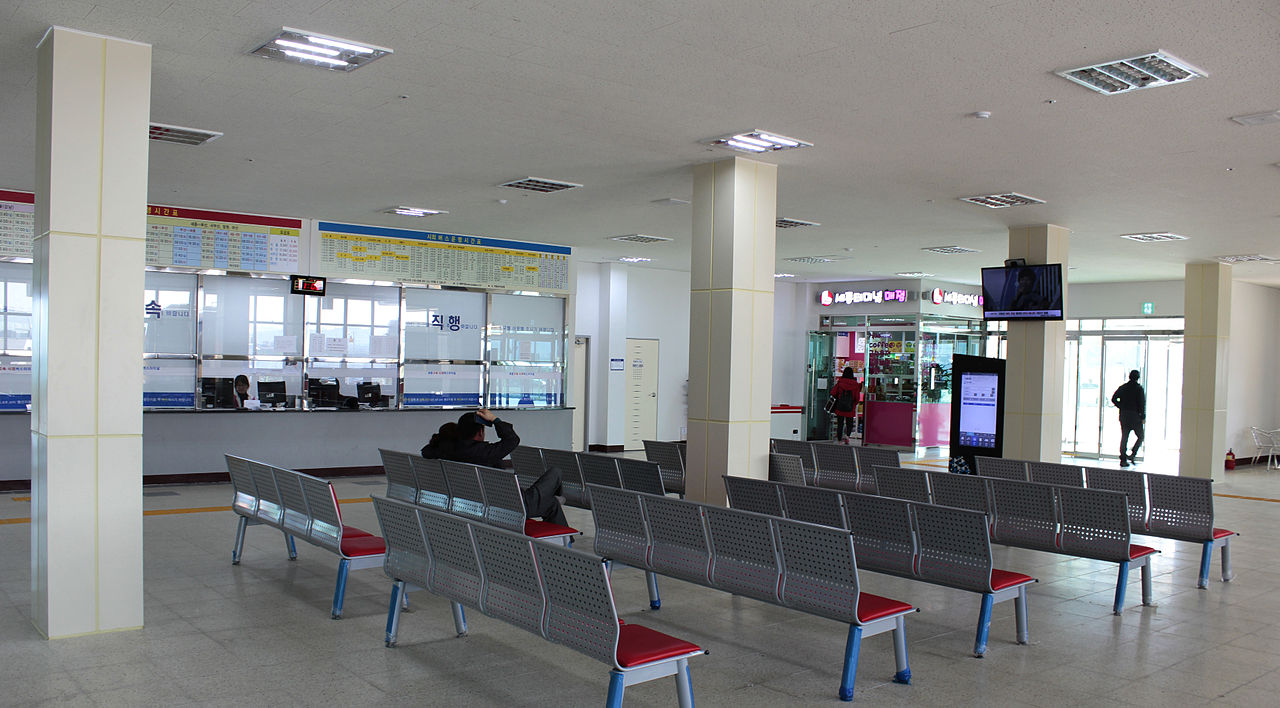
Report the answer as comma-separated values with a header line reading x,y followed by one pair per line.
x,y
658,308
1124,299
791,324
1253,385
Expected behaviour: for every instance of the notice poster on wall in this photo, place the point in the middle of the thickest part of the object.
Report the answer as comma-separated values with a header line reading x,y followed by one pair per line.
x,y
379,253
198,238
17,223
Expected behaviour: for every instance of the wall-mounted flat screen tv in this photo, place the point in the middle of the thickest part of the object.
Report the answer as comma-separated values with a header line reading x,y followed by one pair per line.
x,y
1027,292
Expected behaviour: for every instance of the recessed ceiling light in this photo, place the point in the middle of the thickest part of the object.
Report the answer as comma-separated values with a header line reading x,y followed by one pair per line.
x,y
1125,75
815,260
914,274
785,223
1247,258
950,250
540,185
758,141
415,211
634,259
1258,118
319,50
183,136
1154,238
1001,201
784,275
639,238
671,201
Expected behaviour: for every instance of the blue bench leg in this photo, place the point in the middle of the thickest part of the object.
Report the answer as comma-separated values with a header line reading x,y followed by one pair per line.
x,y
1206,557
900,651
1020,613
684,687
616,687
393,614
239,547
293,549
984,625
1121,583
340,589
404,600
850,673
1227,574
655,600
459,619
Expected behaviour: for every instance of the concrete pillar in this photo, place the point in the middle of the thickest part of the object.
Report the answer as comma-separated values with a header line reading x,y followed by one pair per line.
x,y
610,419
93,103
730,324
1204,370
1036,355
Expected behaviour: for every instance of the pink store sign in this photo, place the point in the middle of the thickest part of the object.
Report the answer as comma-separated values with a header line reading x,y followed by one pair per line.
x,y
827,298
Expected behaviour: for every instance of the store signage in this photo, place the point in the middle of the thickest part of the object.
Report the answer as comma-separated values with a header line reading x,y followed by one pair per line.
x,y
951,297
826,298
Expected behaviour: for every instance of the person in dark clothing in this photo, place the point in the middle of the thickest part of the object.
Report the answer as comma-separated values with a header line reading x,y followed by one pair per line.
x,y
1132,402
846,408
464,442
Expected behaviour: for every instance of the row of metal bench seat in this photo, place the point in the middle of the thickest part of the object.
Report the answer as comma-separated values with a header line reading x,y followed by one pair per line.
x,y
802,566
935,544
1164,506
578,469
559,594
827,464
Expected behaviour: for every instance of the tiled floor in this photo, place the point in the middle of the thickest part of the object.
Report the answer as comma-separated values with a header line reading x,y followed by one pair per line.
x,y
260,632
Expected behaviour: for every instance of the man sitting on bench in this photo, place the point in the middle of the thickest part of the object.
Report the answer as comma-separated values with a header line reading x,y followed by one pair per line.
x,y
464,442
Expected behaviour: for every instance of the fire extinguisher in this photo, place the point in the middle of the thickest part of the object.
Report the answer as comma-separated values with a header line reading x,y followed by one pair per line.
x,y
1231,459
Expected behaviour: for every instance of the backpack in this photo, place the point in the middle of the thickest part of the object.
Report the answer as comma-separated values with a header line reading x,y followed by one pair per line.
x,y
845,403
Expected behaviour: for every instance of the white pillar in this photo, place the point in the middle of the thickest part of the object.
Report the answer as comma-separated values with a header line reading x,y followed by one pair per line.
x,y
1035,359
93,103
730,324
1204,370
611,392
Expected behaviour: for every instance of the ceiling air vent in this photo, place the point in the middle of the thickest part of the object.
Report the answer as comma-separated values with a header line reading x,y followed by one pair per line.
x,y
180,135
1154,238
785,223
639,238
1258,118
950,250
1001,201
815,260
1247,258
1125,75
537,184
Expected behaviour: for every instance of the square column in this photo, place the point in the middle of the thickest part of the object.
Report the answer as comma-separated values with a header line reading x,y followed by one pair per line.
x,y
1204,370
1035,359
93,106
730,324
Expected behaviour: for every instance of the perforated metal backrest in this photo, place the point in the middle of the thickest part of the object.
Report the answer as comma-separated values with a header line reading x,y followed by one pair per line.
x,y
1001,468
743,559
620,529
901,483
504,505
428,476
754,495
1181,507
599,469
512,590
682,446
1056,474
400,482
799,448
527,463
407,557
819,573
641,476
270,509
961,491
296,518
881,529
835,466
679,538
666,454
466,497
1095,523
813,505
455,568
788,469
244,499
570,474
326,519
1131,484
954,549
1024,514
869,457
580,610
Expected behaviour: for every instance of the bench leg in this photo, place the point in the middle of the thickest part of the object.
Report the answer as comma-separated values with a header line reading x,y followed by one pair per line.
x,y
1227,574
340,589
293,549
239,547
460,620
616,687
684,687
393,614
1206,557
655,601
900,650
851,646
1121,583
1146,583
1020,613
984,625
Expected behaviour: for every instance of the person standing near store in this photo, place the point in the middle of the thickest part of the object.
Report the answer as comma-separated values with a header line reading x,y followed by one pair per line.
x,y
846,393
1132,402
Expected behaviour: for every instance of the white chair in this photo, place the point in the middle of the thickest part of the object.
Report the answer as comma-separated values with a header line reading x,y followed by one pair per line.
x,y
1266,442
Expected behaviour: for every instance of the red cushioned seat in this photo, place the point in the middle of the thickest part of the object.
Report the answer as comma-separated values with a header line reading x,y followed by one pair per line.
x,y
638,645
1136,551
353,532
545,529
363,546
1001,579
1222,533
873,607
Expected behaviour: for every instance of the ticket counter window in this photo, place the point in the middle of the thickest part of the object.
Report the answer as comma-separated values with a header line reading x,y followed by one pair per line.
x,y
526,351
15,336
169,340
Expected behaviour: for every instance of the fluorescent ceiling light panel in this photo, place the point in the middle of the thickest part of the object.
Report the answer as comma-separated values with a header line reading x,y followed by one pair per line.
x,y
639,238
540,185
314,49
1258,118
180,135
671,201
757,141
1247,258
1124,75
950,250
914,274
784,275
815,260
634,259
785,223
415,211
1154,238
1001,201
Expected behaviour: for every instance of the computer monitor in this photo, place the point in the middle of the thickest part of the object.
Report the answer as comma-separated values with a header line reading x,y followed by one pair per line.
x,y
218,392
271,393
323,392
369,392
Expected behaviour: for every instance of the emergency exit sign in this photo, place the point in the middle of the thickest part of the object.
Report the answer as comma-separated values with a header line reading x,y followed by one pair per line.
x,y
1148,308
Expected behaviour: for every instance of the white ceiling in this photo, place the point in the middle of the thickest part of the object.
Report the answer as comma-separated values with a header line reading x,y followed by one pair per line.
x,y
617,95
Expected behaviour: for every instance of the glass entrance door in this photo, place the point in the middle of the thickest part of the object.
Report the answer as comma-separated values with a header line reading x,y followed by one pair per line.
x,y
1120,355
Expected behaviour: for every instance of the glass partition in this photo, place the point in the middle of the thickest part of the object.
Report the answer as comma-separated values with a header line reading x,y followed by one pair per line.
x,y
443,325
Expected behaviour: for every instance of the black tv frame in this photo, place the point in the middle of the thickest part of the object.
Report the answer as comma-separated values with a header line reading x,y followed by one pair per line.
x,y
991,301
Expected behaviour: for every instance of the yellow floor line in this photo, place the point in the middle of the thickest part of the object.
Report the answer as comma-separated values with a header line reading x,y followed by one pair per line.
x,y
15,521
189,510
1238,496
21,498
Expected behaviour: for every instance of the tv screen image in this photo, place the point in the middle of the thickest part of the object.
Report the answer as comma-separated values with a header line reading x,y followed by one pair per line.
x,y
1029,292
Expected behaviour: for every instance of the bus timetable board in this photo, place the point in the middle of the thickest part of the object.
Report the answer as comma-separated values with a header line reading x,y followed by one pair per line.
x,y
198,238
17,223
380,253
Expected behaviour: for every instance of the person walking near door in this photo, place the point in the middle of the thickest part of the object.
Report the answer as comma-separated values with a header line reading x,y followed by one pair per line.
x,y
846,393
1132,402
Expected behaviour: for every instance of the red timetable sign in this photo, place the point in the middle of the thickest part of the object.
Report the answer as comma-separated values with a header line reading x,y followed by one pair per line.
x,y
199,238
17,223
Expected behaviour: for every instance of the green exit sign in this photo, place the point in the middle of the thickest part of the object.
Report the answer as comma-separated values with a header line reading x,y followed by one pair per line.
x,y
1148,308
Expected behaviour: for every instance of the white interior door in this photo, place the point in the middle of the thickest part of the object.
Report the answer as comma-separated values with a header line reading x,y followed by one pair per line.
x,y
642,392
581,357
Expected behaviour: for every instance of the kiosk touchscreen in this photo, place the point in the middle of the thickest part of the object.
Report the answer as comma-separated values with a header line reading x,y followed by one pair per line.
x,y
977,407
